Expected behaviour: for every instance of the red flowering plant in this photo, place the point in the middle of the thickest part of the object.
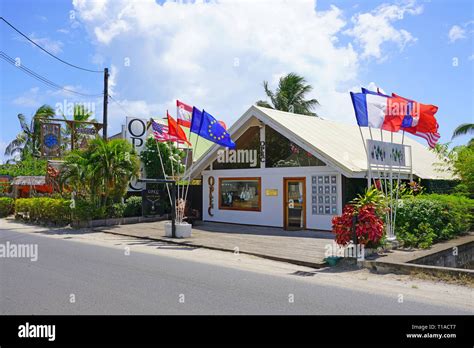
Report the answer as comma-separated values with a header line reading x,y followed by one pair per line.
x,y
368,210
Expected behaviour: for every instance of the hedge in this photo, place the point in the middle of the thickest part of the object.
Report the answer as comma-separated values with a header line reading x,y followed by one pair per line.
x,y
427,219
6,206
133,206
43,210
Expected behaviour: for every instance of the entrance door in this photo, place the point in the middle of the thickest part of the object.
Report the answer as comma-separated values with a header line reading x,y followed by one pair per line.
x,y
294,204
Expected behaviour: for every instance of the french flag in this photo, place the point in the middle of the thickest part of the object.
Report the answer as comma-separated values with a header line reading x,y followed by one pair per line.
x,y
377,110
416,118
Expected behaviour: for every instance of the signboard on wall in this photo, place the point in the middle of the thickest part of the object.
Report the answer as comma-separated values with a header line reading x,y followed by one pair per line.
x,y
135,133
50,140
387,154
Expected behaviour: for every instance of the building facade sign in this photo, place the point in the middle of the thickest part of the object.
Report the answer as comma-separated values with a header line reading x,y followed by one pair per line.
x,y
50,140
211,182
136,132
386,154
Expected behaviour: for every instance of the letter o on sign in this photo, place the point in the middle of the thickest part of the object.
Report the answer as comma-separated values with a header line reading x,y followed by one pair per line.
x,y
211,181
136,128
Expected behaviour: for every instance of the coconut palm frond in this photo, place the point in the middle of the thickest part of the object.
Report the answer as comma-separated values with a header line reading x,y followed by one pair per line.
x,y
290,95
462,129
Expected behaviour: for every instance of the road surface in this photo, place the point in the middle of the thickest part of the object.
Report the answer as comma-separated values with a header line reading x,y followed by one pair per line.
x,y
72,277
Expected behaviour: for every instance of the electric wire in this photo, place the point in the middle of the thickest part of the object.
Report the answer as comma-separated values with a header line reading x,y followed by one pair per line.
x,y
45,50
40,78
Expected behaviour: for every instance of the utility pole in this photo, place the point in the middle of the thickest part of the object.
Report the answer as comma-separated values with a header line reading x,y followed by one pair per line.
x,y
106,100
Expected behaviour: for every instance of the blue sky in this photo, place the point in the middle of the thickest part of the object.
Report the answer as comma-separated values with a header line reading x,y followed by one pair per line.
x,y
216,55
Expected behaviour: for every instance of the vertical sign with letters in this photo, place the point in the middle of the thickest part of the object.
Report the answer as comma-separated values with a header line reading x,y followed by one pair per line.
x,y
136,133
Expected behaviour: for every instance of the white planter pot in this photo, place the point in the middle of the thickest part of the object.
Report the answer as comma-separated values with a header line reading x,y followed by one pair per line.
x,y
183,230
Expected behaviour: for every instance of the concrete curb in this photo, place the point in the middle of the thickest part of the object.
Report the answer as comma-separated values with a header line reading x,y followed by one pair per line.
x,y
409,268
195,245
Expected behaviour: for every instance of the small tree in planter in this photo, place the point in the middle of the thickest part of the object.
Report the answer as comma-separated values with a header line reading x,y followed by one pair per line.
x,y
369,211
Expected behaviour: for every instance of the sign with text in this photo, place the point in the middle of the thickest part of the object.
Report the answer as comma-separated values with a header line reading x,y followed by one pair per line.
x,y
154,202
387,154
136,133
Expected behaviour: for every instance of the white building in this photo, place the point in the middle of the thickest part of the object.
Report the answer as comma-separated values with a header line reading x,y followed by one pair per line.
x,y
307,168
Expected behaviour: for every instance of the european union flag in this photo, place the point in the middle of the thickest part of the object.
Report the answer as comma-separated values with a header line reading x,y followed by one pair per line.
x,y
206,126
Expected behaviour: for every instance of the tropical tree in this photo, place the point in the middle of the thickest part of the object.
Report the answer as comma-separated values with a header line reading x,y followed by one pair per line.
x,y
290,95
102,171
27,141
172,158
465,128
462,129
80,114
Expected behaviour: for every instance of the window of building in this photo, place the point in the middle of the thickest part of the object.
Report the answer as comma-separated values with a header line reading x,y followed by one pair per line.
x,y
324,194
246,154
281,152
240,194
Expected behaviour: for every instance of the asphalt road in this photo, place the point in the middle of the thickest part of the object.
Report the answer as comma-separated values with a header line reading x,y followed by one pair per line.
x,y
103,280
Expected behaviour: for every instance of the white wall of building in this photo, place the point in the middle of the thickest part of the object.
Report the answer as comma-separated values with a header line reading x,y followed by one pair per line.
x,y
272,213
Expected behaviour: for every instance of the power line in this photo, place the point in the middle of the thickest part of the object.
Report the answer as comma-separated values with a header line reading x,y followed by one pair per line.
x,y
40,78
46,51
120,105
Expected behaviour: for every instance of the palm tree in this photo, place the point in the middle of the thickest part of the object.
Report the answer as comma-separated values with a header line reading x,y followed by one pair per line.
x,y
81,114
290,96
462,129
103,170
27,141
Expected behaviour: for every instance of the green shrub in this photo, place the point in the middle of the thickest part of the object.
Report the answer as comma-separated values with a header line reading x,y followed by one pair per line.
x,y
427,219
133,206
6,206
85,210
43,210
116,210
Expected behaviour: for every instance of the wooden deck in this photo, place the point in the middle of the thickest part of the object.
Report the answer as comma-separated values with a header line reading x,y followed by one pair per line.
x,y
299,247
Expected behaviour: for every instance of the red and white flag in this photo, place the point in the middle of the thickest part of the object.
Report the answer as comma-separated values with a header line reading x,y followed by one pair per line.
x,y
185,113
161,133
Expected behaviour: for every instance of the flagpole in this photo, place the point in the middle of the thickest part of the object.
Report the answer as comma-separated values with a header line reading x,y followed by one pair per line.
x,y
391,192
369,171
185,168
195,147
378,170
163,169
192,164
398,189
183,196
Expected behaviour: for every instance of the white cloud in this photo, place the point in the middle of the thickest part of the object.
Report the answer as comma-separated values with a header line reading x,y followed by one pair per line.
x,y
216,54
54,46
371,30
456,33
471,57
372,86
28,99
3,146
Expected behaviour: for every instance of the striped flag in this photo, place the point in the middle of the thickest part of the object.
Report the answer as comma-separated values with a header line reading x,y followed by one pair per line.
x,y
431,138
160,133
423,123
185,112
